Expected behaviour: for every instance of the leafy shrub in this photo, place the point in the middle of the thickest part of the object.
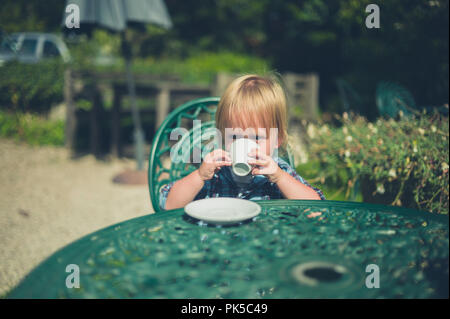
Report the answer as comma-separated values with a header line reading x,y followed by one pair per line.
x,y
335,188
31,87
204,66
198,68
32,129
402,162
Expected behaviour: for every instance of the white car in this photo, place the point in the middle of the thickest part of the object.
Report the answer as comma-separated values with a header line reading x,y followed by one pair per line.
x,y
32,47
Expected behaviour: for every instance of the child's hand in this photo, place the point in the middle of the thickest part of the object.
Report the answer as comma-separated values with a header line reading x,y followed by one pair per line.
x,y
265,165
213,162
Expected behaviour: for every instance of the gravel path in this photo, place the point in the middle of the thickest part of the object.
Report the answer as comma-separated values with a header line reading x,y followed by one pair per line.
x,y
48,200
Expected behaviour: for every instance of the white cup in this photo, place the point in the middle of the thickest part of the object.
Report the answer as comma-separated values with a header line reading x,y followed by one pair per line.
x,y
239,156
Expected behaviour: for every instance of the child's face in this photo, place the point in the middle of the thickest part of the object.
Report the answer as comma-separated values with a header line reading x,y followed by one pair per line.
x,y
259,135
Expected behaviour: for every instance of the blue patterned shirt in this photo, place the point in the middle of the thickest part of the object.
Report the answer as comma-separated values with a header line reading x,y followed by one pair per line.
x,y
223,185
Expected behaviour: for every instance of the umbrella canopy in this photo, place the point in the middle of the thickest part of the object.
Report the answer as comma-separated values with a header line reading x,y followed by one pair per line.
x,y
117,15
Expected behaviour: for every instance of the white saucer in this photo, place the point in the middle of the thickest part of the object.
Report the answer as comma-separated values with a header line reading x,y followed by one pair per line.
x,y
222,210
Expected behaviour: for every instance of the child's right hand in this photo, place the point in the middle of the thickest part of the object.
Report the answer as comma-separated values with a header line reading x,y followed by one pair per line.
x,y
213,162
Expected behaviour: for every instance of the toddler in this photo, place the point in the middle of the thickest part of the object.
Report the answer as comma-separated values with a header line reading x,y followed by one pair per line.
x,y
251,107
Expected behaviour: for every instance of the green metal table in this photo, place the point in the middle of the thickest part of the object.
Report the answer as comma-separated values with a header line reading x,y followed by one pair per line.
x,y
282,253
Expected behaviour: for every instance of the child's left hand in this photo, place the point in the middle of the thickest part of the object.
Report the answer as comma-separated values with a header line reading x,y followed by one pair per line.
x,y
265,165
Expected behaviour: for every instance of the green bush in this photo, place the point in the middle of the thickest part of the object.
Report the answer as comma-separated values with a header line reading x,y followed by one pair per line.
x,y
198,68
204,66
192,66
33,129
403,163
31,87
334,188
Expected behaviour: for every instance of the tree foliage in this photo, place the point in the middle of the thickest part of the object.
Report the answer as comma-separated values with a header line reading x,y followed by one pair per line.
x,y
328,37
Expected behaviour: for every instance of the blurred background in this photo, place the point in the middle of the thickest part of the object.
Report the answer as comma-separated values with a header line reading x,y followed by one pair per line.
x,y
368,108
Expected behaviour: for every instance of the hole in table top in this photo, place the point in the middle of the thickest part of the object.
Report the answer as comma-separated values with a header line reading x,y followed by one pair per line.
x,y
316,272
323,274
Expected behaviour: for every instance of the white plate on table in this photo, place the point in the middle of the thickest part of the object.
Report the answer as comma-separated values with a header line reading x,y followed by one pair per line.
x,y
222,210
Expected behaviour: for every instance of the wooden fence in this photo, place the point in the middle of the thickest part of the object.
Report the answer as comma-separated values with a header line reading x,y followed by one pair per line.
x,y
167,92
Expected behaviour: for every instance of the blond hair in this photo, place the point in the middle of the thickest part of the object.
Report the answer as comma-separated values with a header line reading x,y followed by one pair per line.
x,y
254,101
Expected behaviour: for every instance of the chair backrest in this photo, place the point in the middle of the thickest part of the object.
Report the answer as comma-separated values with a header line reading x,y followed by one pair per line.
x,y
180,142
351,100
391,98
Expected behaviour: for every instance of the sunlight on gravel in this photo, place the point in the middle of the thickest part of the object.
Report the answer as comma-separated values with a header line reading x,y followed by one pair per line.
x,y
48,200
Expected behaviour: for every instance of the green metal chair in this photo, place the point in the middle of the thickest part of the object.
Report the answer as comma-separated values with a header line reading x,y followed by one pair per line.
x,y
350,99
164,168
391,98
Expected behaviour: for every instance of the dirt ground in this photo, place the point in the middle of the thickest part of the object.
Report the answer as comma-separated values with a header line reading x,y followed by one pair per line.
x,y
48,200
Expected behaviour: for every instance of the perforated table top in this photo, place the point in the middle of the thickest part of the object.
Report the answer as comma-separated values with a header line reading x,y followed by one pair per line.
x,y
288,251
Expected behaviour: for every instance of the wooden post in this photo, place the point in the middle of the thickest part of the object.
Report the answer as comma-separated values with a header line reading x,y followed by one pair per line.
x,y
221,83
115,121
303,91
97,106
162,105
314,95
289,82
71,121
